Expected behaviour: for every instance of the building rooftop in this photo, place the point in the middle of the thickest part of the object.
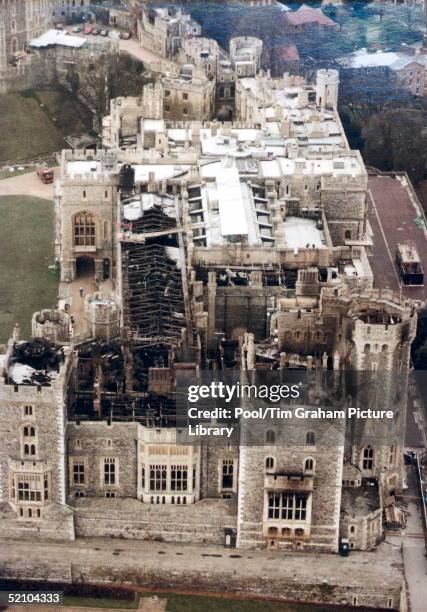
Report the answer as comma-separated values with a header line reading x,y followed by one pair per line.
x,y
36,362
307,15
57,37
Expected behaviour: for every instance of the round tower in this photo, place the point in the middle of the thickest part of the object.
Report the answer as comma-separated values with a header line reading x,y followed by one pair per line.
x,y
102,316
327,82
245,53
52,325
382,330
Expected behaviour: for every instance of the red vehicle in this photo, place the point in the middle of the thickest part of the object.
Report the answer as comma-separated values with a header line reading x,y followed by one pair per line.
x,y
88,29
45,175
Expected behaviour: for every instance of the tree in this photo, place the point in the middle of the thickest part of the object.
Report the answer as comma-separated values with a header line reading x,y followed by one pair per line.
x,y
109,76
396,139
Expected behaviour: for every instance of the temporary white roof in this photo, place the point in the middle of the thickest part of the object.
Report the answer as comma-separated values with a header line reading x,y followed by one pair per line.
x,y
301,232
231,203
57,37
161,171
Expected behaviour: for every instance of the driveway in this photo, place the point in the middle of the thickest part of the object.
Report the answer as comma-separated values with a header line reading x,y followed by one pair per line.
x,y
26,184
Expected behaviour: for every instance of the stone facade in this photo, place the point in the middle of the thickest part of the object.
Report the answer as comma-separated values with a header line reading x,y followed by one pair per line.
x,y
85,219
237,246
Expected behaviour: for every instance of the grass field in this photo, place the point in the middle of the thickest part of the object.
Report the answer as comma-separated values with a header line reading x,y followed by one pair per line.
x,y
33,133
26,250
30,129
185,603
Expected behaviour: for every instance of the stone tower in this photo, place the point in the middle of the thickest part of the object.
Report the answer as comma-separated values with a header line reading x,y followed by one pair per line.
x,y
327,82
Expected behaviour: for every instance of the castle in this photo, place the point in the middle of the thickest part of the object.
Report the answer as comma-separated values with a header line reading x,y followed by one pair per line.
x,y
238,246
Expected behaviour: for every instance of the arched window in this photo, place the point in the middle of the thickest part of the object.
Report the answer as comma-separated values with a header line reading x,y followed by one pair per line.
x,y
272,531
368,458
29,441
84,229
270,437
269,463
367,348
14,46
310,438
308,465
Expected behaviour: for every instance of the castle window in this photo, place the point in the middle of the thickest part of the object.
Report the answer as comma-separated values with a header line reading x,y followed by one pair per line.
x,y
29,431
310,438
227,473
158,477
110,494
143,478
286,532
29,489
167,93
368,458
28,411
185,96
308,465
352,529
299,532
185,111
194,477
84,229
270,437
109,471
272,531
347,235
29,441
269,463
46,494
367,348
287,506
79,494
78,472
84,194
179,478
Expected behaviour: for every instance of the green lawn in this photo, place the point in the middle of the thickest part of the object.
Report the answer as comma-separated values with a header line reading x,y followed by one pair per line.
x,y
26,251
185,603
30,130
27,131
98,602
182,603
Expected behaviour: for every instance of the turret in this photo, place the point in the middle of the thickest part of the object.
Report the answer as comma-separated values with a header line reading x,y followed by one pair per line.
x,y
327,82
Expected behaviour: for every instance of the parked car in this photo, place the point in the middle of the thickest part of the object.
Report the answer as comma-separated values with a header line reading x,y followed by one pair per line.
x,y
104,33
96,31
78,28
125,35
113,34
59,26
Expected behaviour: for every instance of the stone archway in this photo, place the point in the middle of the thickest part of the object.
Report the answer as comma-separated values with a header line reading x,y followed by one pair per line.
x,y
85,267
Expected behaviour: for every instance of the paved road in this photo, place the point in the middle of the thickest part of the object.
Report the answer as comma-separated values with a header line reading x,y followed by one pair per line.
x,y
414,552
149,58
26,184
